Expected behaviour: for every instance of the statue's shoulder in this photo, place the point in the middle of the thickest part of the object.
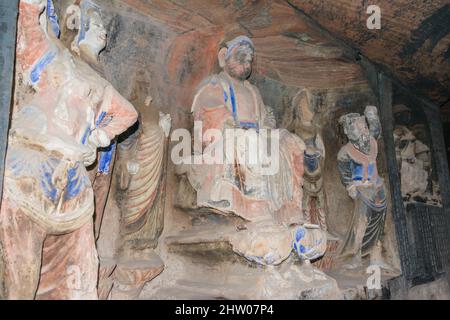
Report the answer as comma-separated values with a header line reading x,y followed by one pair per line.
x,y
213,81
343,153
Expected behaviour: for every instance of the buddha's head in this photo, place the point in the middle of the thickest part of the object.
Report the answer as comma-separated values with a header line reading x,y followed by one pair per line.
x,y
236,57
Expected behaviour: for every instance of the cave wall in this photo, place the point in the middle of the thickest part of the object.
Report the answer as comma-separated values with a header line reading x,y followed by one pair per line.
x,y
165,48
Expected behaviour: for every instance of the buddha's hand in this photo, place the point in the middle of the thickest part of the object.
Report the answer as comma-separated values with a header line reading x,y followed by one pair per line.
x,y
89,154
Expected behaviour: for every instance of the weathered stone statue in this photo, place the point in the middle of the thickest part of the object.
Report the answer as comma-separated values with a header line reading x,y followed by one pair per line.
x,y
46,218
268,202
357,162
140,170
413,159
88,43
300,120
142,162
141,173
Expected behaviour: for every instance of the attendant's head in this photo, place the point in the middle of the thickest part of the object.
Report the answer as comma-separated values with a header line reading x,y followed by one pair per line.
x,y
91,38
402,115
357,131
236,57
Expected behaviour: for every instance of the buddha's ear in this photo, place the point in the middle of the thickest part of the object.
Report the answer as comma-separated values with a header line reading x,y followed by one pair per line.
x,y
221,56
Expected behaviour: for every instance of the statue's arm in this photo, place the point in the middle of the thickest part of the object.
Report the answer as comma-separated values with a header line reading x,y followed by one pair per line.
x,y
126,160
373,119
268,120
345,171
118,114
32,41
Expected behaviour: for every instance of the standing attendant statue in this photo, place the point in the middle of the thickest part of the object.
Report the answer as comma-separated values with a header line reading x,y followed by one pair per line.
x,y
300,120
357,162
46,218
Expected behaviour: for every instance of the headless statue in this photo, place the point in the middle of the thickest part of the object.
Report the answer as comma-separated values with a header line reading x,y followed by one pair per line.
x,y
140,191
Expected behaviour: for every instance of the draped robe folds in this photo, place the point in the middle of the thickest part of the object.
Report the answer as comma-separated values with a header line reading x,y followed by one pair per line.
x,y
241,188
142,199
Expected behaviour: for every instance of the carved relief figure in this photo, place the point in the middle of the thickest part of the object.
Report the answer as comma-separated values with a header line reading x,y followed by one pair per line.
x,y
413,159
88,43
357,162
269,203
300,120
141,174
46,218
142,161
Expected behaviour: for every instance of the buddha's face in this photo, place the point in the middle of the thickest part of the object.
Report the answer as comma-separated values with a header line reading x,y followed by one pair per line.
x,y
239,62
95,37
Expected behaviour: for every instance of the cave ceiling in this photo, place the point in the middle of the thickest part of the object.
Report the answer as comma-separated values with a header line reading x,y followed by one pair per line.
x,y
413,44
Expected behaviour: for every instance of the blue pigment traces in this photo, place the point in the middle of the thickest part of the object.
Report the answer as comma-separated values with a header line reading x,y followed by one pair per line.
x,y
40,66
53,18
105,159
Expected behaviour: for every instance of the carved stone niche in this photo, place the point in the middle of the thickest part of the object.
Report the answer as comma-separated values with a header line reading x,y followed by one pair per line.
x,y
424,180
415,161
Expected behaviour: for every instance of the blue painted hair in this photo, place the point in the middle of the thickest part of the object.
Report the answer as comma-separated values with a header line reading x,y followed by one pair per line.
x,y
238,41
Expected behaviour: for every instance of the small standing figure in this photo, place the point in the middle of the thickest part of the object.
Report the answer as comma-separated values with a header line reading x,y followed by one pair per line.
x,y
301,122
141,172
357,162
